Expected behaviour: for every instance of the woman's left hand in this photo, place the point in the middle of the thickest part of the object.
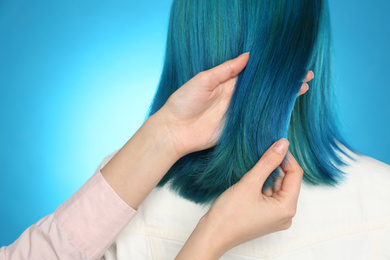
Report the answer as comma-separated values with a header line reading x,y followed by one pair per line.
x,y
194,112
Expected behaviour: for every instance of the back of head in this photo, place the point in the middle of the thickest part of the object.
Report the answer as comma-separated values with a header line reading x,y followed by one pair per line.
x,y
285,38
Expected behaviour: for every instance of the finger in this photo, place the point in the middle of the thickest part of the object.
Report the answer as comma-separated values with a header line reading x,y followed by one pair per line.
x,y
309,76
228,87
227,70
268,192
304,88
293,177
271,159
279,180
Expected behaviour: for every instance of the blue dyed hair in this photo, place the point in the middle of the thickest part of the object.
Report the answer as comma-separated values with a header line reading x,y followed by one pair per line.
x,y
285,38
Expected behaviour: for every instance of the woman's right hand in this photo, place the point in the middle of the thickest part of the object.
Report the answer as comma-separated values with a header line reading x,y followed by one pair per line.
x,y
243,212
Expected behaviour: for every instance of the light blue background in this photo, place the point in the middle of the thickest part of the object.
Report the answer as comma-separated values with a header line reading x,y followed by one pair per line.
x,y
77,77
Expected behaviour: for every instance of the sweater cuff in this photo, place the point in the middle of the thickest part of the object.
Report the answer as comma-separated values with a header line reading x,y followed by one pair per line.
x,y
93,216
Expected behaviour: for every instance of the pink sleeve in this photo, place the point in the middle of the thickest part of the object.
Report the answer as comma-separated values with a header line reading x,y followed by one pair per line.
x,y
81,228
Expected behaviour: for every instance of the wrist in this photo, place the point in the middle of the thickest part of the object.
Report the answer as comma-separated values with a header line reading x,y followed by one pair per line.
x,y
166,133
204,242
212,236
141,163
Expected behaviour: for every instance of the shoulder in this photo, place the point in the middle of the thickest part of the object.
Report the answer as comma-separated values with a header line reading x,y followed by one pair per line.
x,y
358,198
367,169
362,167
367,163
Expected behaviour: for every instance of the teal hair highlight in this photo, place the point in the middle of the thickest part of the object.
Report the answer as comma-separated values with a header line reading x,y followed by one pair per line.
x,y
285,38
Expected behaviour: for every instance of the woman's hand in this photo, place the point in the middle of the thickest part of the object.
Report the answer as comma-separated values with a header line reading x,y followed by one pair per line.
x,y
243,213
193,115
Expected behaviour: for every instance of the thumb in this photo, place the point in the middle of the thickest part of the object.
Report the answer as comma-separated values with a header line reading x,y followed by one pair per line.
x,y
227,70
270,160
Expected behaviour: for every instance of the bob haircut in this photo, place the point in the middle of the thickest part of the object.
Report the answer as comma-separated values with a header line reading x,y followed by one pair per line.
x,y
285,38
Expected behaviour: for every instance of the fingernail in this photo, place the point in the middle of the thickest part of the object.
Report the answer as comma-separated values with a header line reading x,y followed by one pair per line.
x,y
281,146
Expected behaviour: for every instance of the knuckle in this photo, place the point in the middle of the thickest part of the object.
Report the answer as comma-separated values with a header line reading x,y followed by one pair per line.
x,y
287,224
291,211
300,170
230,69
270,160
203,77
288,212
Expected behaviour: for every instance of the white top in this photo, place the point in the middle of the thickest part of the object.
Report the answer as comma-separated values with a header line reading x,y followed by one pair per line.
x,y
351,221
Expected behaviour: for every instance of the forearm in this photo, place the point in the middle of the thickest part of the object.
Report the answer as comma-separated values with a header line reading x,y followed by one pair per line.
x,y
142,162
203,243
82,227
